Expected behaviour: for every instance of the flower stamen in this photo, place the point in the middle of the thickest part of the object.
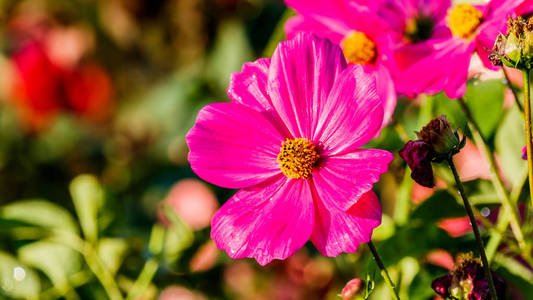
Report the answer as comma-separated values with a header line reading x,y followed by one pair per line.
x,y
358,48
463,20
297,157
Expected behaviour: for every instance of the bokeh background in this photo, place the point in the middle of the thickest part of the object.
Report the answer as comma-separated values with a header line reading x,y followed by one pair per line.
x,y
97,197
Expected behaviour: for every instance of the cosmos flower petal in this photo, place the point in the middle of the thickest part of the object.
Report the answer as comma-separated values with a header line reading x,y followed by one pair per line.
x,y
233,146
458,70
352,115
337,231
343,179
249,87
298,24
266,222
302,72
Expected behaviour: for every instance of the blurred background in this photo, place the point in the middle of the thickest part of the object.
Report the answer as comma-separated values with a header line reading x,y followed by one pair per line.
x,y
97,199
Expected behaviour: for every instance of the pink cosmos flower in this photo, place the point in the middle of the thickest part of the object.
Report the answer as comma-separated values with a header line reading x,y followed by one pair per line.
x,y
290,141
470,28
419,25
365,38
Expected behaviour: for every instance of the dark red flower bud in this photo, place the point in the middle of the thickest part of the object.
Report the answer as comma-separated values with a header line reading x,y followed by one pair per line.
x,y
439,135
418,155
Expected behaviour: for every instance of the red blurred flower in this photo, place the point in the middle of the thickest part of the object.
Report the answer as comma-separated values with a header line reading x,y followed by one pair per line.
x,y
48,81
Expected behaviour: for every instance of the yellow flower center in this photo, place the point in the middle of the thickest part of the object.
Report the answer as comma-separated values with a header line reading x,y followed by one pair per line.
x,y
358,48
297,157
463,20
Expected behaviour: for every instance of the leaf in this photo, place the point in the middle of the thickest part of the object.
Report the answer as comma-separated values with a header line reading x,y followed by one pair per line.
x,y
440,205
55,260
510,139
16,279
40,213
87,196
112,252
485,100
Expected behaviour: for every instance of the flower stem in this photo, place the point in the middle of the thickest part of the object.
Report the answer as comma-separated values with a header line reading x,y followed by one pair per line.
x,y
496,179
144,279
527,117
479,241
384,272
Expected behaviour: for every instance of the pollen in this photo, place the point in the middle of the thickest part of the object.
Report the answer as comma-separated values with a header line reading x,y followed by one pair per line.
x,y
463,20
297,158
359,48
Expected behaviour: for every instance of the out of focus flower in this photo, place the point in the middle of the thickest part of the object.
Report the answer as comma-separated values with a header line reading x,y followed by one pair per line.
x,y
437,142
419,25
205,258
49,78
472,28
176,292
441,258
194,203
455,227
467,281
365,38
269,143
524,153
352,288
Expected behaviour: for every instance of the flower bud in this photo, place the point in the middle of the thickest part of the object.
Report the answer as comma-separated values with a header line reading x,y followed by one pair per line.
x,y
352,288
418,155
515,49
443,140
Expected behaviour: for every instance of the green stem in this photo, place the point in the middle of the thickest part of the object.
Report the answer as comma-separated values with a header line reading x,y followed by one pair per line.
x,y
496,179
515,94
383,270
105,278
479,241
527,117
144,279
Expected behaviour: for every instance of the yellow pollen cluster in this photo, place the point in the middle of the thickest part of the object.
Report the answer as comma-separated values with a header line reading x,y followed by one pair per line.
x,y
463,20
297,157
358,48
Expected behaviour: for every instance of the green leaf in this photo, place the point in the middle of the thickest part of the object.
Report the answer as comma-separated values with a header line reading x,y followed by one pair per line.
x,y
17,280
88,196
509,142
55,260
112,252
440,205
485,100
40,213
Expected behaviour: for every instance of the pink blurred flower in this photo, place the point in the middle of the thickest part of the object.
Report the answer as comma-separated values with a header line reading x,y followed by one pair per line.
x,y
472,28
441,258
205,258
193,202
418,25
176,292
318,185
365,38
455,227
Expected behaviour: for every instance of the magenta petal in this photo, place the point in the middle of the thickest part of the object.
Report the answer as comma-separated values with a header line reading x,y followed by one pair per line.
x,y
233,146
298,24
302,72
386,91
249,87
336,231
352,115
266,222
344,179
